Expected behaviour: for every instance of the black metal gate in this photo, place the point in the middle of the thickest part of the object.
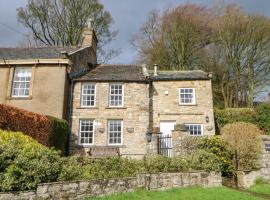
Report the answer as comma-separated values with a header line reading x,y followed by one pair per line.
x,y
165,145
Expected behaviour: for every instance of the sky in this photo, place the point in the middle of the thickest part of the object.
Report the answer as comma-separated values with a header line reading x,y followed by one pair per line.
x,y
128,16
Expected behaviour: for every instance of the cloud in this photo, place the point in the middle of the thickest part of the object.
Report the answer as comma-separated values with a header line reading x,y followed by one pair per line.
x,y
128,16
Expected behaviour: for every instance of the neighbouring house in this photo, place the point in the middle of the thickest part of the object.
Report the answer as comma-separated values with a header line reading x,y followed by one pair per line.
x,y
37,79
120,106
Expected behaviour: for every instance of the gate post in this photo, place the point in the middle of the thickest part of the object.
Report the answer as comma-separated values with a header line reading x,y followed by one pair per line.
x,y
178,134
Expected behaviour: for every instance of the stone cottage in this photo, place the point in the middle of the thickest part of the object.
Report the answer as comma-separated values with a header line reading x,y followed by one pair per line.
x,y
122,106
37,79
112,109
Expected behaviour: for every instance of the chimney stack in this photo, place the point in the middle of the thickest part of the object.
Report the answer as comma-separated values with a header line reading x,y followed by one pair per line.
x,y
89,36
155,69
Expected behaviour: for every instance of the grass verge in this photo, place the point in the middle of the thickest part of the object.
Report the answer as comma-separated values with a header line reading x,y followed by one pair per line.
x,y
193,193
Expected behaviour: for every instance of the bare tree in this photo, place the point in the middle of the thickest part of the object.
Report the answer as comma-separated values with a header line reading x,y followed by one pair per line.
x,y
241,45
174,39
61,22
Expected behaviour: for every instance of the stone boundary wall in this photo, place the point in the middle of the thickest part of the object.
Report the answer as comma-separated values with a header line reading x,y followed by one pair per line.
x,y
99,187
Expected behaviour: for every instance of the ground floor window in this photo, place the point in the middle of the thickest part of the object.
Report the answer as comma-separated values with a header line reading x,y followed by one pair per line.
x,y
115,132
86,134
194,129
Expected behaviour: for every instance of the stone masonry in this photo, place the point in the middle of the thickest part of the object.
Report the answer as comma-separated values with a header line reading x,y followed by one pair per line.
x,y
134,113
100,187
166,104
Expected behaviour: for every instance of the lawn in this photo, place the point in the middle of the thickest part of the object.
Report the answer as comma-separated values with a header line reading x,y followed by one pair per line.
x,y
221,193
260,188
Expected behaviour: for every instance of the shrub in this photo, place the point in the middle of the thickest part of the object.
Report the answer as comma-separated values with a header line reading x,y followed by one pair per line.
x,y
48,131
110,167
25,163
72,169
59,136
203,160
231,115
217,146
263,117
35,125
244,142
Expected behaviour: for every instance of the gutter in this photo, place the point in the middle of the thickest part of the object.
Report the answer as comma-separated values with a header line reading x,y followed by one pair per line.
x,y
34,61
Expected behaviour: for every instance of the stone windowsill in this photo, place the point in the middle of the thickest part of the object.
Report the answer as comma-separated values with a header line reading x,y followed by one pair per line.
x,y
92,145
87,107
20,98
188,104
115,107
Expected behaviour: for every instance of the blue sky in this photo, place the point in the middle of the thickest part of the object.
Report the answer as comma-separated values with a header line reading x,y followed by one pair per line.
x,y
128,16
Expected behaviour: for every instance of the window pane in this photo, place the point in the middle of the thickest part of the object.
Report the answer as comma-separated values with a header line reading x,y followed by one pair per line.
x,y
115,131
116,95
194,129
186,95
88,95
21,82
86,131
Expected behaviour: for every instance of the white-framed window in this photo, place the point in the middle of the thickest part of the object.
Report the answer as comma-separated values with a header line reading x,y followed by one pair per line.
x,y
116,95
187,96
86,133
194,129
21,82
88,95
115,132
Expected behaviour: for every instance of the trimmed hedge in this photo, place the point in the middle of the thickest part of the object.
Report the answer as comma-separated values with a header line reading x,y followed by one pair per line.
x,y
263,117
260,116
49,131
59,134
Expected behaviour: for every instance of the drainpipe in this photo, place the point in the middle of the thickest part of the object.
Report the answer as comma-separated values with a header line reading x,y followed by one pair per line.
x,y
70,113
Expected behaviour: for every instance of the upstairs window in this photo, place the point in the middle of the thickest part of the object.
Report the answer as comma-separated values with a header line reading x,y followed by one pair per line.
x,y
21,81
86,135
187,96
88,95
115,132
116,95
194,129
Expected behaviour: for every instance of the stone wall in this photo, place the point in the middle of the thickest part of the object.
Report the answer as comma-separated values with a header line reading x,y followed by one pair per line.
x,y
83,189
265,160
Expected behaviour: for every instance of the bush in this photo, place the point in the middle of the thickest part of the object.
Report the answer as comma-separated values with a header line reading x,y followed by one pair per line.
x,y
204,160
110,167
35,125
48,131
263,117
231,115
217,146
24,163
244,142
72,169
59,136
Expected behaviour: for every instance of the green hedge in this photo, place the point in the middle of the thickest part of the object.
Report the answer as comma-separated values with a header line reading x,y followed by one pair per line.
x,y
263,117
47,130
58,138
260,116
24,163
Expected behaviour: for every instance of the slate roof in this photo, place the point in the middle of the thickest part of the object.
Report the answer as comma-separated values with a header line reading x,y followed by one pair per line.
x,y
34,53
135,73
114,73
180,75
